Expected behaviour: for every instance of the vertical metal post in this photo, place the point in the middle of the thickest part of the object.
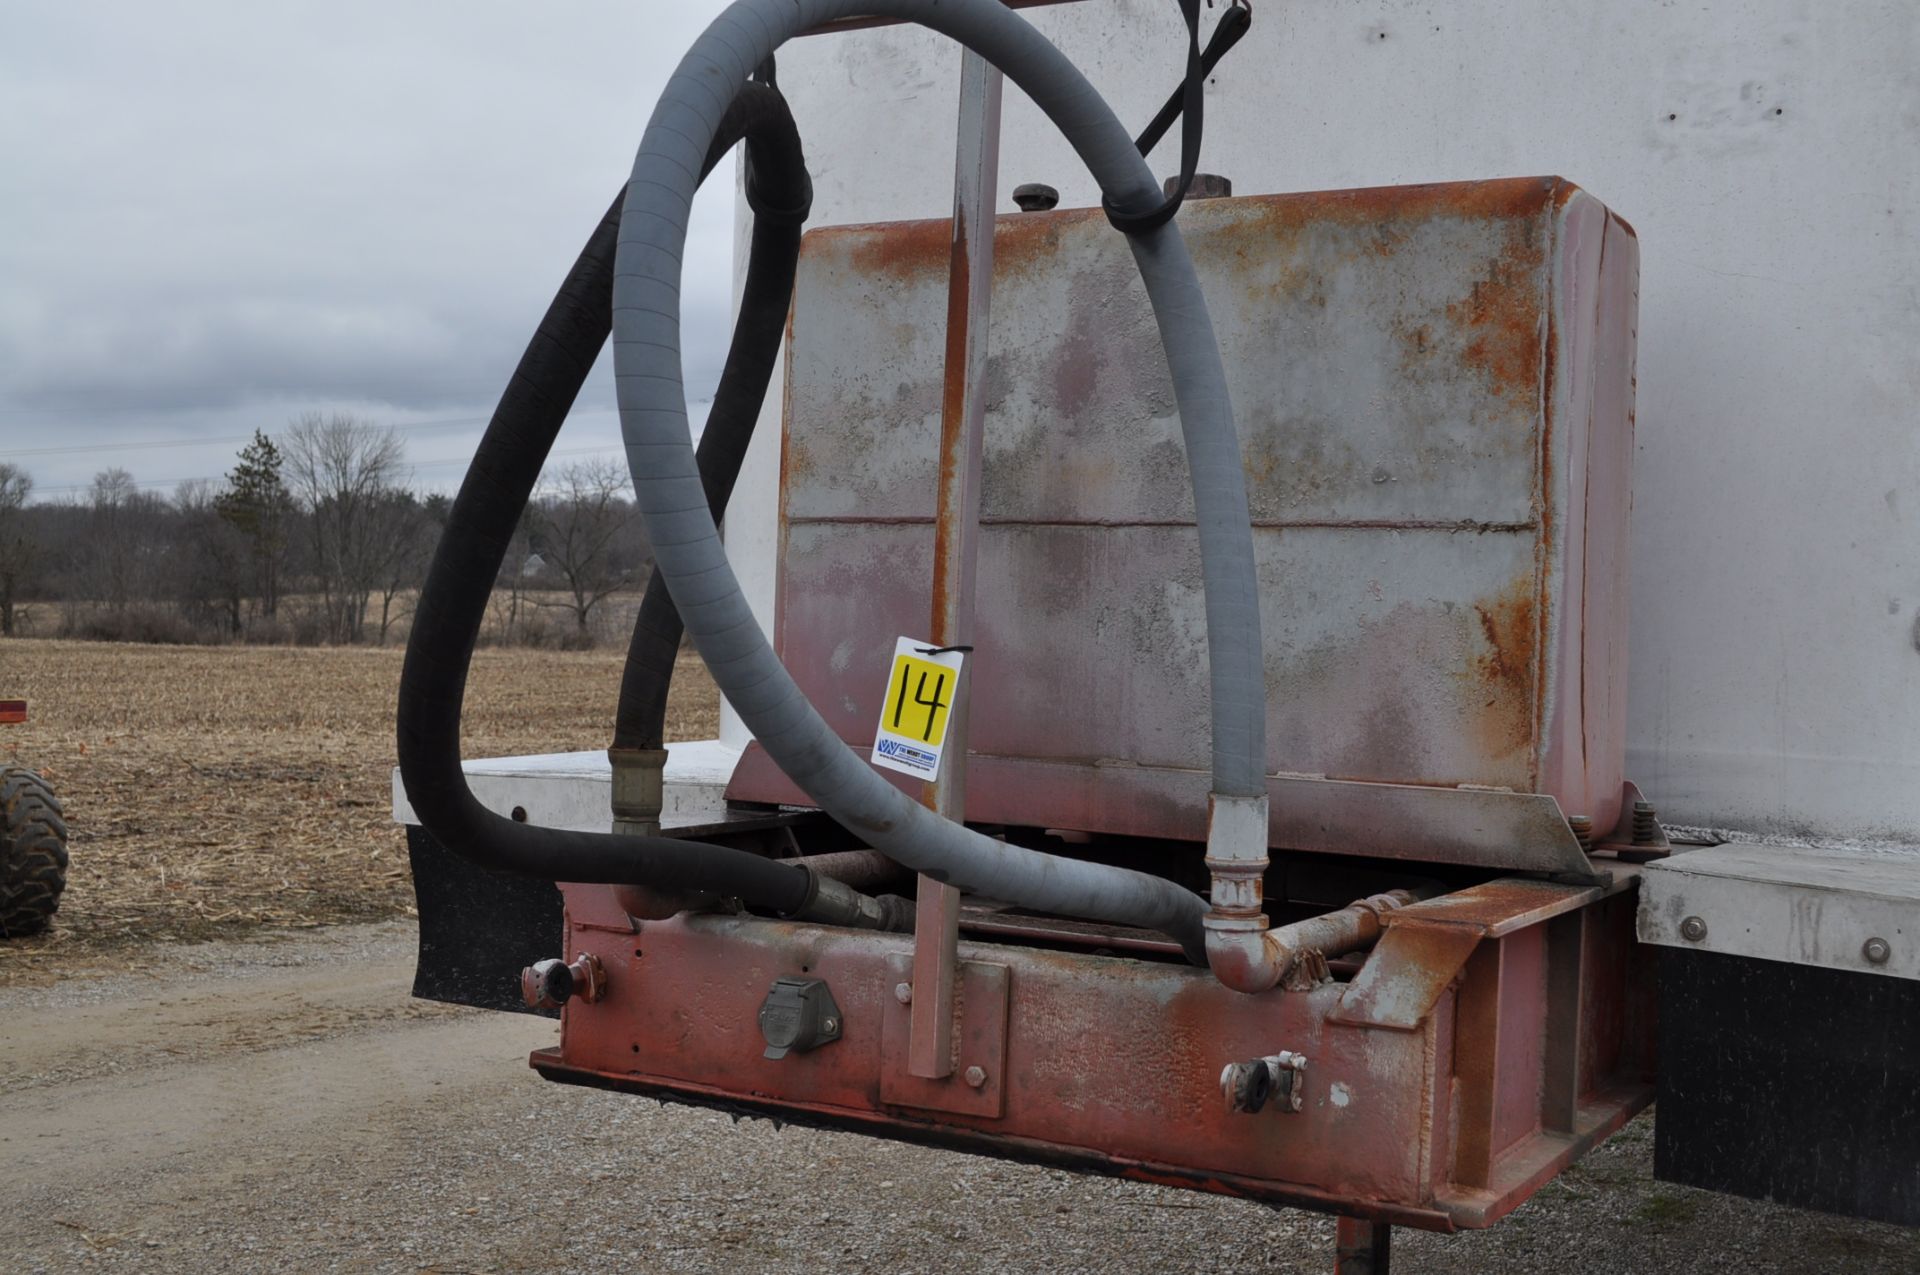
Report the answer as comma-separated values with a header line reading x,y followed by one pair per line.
x,y
1564,1081
1476,1054
1362,1247
956,535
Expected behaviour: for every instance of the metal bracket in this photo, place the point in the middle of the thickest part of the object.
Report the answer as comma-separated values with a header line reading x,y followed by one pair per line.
x,y
957,530
1426,945
976,1081
1638,838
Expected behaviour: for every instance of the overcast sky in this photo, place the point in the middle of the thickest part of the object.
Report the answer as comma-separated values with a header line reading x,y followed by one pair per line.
x,y
215,216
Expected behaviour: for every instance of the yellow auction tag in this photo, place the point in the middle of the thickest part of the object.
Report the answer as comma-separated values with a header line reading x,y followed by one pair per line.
x,y
917,707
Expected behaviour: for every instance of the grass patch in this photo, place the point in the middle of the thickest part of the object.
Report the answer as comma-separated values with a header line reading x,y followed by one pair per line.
x,y
1666,1208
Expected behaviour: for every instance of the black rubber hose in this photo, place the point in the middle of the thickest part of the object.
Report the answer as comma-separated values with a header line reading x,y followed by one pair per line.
x,y
640,720
459,586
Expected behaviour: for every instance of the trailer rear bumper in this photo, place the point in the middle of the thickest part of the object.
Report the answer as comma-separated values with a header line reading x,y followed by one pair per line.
x,y
1790,1007
1492,1037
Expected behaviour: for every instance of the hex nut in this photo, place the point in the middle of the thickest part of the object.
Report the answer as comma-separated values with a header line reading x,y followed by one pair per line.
x,y
1205,186
1877,950
976,1076
1693,929
903,992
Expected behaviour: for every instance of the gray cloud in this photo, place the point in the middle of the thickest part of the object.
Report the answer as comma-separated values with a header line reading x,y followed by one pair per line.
x,y
224,213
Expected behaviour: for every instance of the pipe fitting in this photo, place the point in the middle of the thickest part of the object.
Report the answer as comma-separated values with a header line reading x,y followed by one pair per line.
x,y
1279,1079
1240,948
550,984
1243,952
831,902
639,789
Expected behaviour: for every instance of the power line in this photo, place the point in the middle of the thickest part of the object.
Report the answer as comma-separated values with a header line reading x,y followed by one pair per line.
x,y
425,464
132,409
215,442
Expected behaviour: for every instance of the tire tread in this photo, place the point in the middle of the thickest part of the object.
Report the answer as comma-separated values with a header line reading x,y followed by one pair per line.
x,y
33,852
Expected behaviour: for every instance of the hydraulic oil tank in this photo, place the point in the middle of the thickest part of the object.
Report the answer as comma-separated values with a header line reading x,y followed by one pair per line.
x,y
1433,387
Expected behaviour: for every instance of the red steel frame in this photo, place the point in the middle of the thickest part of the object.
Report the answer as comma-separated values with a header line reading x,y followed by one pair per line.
x,y
1490,1038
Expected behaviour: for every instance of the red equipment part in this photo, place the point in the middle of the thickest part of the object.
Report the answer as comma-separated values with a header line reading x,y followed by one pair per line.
x,y
1493,1035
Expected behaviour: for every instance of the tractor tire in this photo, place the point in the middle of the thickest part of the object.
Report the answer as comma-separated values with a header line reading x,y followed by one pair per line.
x,y
33,853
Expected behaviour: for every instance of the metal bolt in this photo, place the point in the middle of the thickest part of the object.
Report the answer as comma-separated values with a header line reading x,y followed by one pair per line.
x,y
1646,824
976,1076
1693,929
1877,950
903,992
1582,826
830,1025
1035,197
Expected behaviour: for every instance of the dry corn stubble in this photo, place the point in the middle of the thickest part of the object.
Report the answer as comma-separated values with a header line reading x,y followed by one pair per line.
x,y
216,789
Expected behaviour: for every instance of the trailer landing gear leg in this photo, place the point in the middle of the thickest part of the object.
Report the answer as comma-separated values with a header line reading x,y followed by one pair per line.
x,y
1361,1247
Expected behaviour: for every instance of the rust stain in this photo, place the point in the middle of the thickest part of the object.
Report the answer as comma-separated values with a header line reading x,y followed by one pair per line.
x,y
1380,206
1502,316
796,460
953,431
1494,907
1507,667
909,247
905,249
1506,621
1501,199
898,249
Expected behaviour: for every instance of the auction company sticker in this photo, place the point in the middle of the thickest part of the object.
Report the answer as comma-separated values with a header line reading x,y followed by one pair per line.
x,y
919,702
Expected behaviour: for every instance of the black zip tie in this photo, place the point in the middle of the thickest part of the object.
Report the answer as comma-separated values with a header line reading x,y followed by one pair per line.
x,y
940,650
1186,103
762,210
1234,23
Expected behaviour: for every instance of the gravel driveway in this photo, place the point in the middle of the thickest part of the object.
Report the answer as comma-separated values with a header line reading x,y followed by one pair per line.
x,y
281,1105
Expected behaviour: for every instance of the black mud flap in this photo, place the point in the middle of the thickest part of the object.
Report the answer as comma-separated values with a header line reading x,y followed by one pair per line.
x,y
478,929
1790,1083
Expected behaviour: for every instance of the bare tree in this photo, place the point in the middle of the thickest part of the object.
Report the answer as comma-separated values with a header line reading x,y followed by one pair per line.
x,y
114,546
577,525
215,558
515,569
18,546
405,526
342,469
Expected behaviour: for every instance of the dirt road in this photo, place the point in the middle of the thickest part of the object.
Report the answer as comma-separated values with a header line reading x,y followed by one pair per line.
x,y
281,1105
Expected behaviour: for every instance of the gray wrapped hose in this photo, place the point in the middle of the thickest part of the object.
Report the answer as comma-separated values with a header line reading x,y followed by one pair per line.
x,y
687,548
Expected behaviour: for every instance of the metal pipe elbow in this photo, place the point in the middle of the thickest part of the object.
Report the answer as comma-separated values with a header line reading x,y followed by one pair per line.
x,y
1245,955
1241,951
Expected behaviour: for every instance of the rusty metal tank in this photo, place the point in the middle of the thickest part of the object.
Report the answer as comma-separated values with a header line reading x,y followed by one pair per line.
x,y
1434,389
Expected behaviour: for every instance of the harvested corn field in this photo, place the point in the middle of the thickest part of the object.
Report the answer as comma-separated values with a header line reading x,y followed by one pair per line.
x,y
215,789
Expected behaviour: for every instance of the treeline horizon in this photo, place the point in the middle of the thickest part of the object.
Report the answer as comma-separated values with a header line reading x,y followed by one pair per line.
x,y
319,538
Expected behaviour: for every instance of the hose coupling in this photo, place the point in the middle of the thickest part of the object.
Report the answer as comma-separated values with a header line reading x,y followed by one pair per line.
x,y
1280,1079
1381,904
1237,853
639,789
550,984
831,902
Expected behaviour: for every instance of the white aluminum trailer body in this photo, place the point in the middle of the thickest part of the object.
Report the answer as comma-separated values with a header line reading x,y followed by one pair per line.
x,y
1764,151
